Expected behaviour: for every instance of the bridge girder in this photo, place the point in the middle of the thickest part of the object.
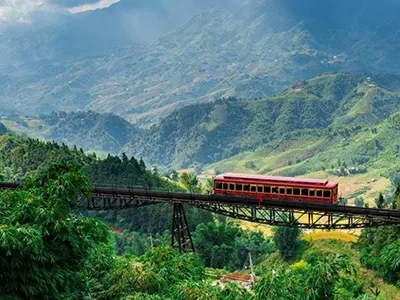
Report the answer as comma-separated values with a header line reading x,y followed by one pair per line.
x,y
297,218
270,211
263,214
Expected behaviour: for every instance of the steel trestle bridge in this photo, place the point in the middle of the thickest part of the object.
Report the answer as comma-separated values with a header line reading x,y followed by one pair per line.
x,y
270,211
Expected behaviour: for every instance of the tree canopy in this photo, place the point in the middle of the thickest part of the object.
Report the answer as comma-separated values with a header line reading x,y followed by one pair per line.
x,y
45,251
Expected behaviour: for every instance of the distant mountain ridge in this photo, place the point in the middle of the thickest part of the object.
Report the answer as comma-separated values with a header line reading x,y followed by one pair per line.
x,y
91,131
246,49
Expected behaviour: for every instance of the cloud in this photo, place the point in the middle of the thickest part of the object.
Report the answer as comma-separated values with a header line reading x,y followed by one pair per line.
x,y
91,6
20,11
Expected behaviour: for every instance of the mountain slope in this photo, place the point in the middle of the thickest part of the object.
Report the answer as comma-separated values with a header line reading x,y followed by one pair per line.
x,y
103,133
210,132
247,49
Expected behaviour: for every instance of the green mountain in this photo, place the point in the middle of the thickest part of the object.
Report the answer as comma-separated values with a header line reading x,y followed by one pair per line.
x,y
338,125
326,109
308,127
103,133
246,49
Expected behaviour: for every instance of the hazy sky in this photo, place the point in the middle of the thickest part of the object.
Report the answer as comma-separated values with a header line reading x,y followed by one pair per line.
x,y
18,11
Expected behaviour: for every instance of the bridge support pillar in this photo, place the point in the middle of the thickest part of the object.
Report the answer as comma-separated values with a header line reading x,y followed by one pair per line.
x,y
181,238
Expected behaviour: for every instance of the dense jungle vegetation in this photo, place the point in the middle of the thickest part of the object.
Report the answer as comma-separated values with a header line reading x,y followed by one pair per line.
x,y
50,250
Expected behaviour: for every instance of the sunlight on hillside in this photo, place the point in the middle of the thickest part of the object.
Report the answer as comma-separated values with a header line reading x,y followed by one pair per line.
x,y
363,185
330,235
249,226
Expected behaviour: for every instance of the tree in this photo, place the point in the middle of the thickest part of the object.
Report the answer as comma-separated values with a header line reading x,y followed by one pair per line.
x,y
359,202
214,242
396,198
46,253
154,272
304,280
190,181
379,250
221,244
379,202
174,175
287,241
321,277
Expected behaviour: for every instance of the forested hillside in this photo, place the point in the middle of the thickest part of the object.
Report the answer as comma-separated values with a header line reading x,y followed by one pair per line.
x,y
102,133
164,95
19,156
45,253
323,113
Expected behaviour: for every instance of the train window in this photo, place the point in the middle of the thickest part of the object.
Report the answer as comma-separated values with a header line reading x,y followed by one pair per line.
x,y
289,191
267,189
239,187
218,185
304,192
327,194
274,190
232,186
259,189
282,190
319,193
246,187
312,193
253,188
296,191
225,186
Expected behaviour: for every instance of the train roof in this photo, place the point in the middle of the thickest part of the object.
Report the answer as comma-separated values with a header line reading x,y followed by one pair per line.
x,y
296,180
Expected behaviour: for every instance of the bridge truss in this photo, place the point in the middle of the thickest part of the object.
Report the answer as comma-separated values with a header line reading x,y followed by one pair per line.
x,y
270,211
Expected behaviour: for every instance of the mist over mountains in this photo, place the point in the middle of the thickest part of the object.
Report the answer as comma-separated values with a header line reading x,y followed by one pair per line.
x,y
144,59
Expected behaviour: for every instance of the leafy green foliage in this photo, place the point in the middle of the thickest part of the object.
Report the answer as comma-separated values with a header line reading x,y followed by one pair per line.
x,y
287,241
379,250
155,272
137,243
190,182
45,252
396,198
221,244
20,156
303,280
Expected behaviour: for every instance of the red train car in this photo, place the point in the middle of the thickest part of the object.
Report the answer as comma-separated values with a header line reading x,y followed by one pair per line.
x,y
276,187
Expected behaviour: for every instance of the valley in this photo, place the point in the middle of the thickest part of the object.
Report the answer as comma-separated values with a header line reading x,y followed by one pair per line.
x,y
336,124
167,94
